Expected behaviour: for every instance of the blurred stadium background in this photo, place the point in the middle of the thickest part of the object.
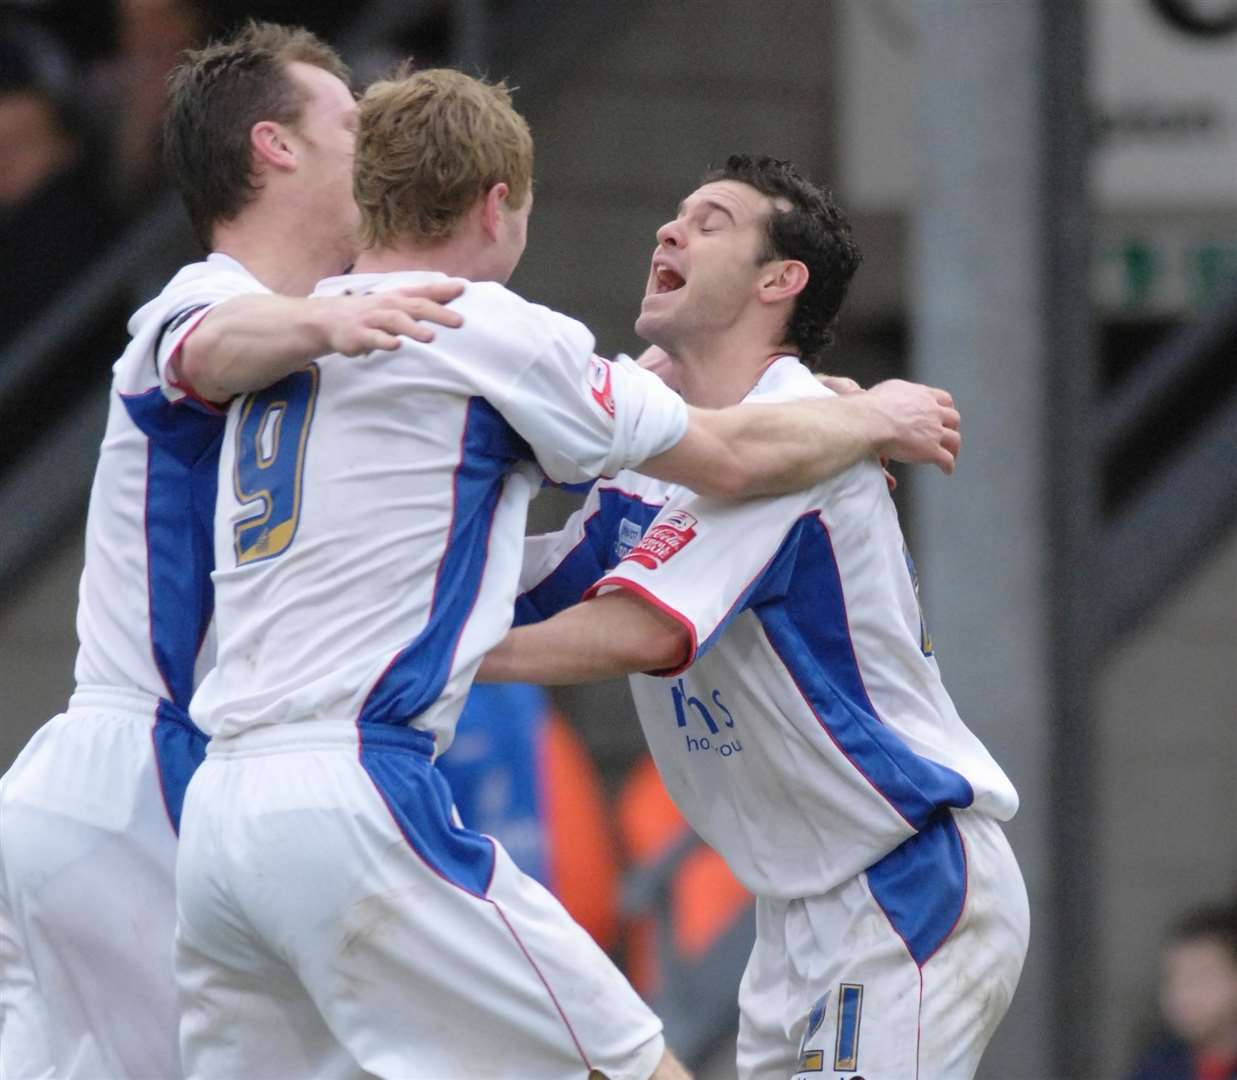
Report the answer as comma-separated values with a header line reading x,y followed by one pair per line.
x,y
1046,193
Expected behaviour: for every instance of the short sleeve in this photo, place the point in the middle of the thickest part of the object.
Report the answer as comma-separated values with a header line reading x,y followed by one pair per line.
x,y
160,328
583,416
702,561
172,336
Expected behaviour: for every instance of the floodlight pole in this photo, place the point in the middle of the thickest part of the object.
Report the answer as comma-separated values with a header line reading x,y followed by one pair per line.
x,y
1001,316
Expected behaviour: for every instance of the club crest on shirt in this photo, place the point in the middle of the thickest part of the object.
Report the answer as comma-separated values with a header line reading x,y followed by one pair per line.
x,y
665,540
600,384
629,533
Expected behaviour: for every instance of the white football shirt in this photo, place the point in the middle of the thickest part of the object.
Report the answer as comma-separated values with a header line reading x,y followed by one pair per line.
x,y
145,596
371,511
809,732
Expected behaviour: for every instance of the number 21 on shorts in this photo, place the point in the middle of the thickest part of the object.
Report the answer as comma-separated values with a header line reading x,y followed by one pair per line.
x,y
813,1054
269,461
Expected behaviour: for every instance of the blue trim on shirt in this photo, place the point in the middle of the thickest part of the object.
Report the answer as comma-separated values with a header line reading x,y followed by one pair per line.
x,y
180,748
415,678
599,550
921,886
801,606
400,763
494,769
181,479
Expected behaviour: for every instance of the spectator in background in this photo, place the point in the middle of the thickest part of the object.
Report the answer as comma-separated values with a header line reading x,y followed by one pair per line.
x,y
152,35
1198,998
53,209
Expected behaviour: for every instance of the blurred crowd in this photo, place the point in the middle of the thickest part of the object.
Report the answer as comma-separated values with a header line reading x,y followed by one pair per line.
x,y
81,102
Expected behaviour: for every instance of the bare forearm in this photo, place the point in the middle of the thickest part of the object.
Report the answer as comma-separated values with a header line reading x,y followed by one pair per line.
x,y
613,635
546,655
250,342
776,449
769,449
752,450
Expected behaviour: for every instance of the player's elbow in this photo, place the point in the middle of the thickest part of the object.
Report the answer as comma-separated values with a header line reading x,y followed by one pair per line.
x,y
664,646
195,366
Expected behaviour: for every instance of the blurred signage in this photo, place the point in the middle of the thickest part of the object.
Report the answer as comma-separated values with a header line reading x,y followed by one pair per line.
x,y
1163,268
1164,87
1164,93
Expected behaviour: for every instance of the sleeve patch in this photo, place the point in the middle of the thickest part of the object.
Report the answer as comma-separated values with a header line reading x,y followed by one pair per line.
x,y
600,383
664,540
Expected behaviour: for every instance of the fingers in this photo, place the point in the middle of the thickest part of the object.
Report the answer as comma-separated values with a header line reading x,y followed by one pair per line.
x,y
429,311
945,454
376,340
413,320
839,384
420,332
401,323
441,292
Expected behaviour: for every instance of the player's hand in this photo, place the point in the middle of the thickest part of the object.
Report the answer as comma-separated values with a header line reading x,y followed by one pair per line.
x,y
891,481
844,385
359,324
921,423
657,360
839,384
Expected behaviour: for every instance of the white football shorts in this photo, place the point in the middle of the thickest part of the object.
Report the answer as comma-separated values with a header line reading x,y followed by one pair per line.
x,y
87,871
336,921
900,974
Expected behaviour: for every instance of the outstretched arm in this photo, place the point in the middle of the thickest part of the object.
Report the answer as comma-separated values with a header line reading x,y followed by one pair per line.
x,y
610,635
249,342
752,450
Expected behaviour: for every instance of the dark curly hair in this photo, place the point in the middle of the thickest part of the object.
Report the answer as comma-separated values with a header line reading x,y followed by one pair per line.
x,y
815,232
1215,922
215,96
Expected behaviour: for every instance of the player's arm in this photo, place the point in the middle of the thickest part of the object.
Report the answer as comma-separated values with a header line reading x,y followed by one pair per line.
x,y
249,342
769,449
701,563
611,635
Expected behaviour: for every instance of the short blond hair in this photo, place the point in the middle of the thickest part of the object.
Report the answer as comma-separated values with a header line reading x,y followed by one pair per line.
x,y
430,144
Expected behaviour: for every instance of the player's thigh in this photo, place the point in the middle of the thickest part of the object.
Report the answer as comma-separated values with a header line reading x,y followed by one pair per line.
x,y
24,1047
911,982
970,981
424,979
89,857
768,1004
248,1015
829,988
243,1012
428,953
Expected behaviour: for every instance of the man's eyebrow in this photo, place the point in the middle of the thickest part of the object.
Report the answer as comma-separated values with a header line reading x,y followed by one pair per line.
x,y
712,204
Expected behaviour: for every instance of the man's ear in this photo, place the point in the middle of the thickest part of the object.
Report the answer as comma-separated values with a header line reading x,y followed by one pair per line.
x,y
492,209
271,148
782,280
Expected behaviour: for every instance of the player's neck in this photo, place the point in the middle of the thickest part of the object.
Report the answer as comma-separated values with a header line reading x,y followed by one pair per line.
x,y
455,258
722,372
287,261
